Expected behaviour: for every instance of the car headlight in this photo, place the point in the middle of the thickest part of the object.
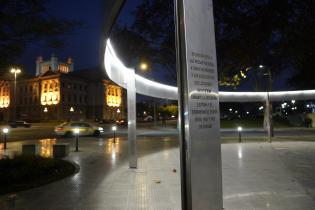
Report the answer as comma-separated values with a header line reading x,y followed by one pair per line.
x,y
100,129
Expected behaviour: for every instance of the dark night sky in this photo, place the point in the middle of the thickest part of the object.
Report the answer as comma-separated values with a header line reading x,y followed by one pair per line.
x,y
84,46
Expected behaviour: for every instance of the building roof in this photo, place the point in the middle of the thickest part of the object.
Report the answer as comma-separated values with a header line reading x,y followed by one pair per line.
x,y
95,74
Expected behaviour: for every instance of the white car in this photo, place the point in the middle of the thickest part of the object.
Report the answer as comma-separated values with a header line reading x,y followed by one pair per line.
x,y
85,129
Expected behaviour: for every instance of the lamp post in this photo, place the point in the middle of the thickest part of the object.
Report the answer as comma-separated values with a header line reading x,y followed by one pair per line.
x,y
114,128
239,129
5,132
77,133
268,110
15,72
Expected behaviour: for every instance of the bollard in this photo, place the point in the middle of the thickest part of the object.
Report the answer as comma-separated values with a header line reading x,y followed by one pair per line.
x,y
239,129
5,133
77,133
114,128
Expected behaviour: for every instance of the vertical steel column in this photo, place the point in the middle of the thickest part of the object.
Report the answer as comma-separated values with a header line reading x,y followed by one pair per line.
x,y
131,100
269,123
201,172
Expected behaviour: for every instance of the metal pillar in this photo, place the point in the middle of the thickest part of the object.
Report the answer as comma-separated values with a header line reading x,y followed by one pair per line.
x,y
154,112
269,121
201,171
131,100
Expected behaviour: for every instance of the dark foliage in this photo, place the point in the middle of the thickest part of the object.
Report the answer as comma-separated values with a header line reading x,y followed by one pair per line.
x,y
23,172
27,21
278,34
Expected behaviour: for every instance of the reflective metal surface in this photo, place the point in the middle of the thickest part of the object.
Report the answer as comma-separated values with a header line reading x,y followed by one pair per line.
x,y
199,102
117,71
131,103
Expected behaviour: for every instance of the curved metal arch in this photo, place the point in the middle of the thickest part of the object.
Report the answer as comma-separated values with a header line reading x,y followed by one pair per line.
x,y
120,74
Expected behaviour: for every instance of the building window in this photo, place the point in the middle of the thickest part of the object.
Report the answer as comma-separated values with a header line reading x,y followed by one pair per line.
x,y
69,98
80,99
75,98
75,86
80,87
63,98
63,84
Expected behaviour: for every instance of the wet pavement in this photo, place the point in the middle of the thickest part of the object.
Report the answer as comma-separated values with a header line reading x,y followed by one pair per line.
x,y
255,176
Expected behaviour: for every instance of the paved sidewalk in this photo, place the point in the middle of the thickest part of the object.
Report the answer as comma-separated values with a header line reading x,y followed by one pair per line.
x,y
255,176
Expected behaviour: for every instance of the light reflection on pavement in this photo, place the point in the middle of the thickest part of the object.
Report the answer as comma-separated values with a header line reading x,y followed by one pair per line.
x,y
255,176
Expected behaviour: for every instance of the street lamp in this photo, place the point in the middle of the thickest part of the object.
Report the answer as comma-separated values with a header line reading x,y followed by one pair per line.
x,y
5,132
268,110
144,66
239,129
77,133
114,128
15,72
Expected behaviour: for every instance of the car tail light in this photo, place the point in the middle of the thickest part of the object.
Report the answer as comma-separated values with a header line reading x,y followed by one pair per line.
x,y
59,128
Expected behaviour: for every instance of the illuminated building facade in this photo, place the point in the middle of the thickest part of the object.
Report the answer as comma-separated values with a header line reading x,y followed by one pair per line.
x,y
59,93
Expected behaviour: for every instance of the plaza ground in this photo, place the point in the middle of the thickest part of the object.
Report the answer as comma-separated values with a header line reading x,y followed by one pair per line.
x,y
255,176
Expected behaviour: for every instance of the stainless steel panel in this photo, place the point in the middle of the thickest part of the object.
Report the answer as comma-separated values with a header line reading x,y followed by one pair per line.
x,y
131,101
199,101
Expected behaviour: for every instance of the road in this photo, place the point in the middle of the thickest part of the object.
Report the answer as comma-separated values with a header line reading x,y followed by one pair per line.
x,y
45,131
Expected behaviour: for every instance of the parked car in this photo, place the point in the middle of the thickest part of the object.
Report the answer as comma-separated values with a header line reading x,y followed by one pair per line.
x,y
148,119
85,129
16,124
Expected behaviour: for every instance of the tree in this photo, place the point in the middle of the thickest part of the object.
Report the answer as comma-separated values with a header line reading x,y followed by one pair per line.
x,y
278,34
27,21
155,22
130,47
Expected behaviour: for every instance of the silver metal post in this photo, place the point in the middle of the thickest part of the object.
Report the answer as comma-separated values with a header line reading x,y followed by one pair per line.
x,y
14,112
131,100
200,146
154,112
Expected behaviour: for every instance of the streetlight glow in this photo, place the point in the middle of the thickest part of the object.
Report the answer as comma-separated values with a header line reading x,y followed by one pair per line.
x,y
5,130
239,128
77,131
144,66
261,66
114,128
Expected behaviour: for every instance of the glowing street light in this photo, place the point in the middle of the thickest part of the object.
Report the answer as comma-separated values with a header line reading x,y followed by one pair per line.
x,y
5,132
293,101
77,133
45,109
144,66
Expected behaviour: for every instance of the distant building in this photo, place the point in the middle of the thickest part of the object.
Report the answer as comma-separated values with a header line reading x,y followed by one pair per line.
x,y
57,92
